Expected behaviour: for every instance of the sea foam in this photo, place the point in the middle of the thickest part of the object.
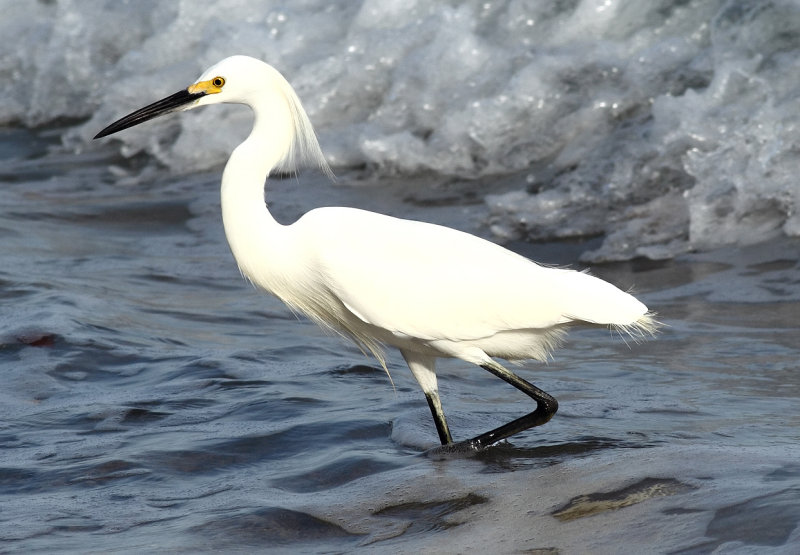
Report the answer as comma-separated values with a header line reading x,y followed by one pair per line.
x,y
661,126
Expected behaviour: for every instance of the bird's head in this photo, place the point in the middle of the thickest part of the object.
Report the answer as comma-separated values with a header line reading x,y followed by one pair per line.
x,y
244,80
238,79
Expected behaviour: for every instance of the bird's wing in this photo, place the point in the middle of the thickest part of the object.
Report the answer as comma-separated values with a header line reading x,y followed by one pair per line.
x,y
431,282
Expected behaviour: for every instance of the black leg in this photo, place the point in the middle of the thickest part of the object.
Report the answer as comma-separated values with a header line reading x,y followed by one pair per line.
x,y
424,369
546,407
438,417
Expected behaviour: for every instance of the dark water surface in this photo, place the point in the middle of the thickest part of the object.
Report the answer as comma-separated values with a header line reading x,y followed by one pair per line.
x,y
151,400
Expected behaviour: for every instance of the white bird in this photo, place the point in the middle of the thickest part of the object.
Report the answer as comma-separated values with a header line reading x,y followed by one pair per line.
x,y
430,291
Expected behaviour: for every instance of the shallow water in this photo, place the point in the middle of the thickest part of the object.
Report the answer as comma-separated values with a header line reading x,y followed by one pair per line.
x,y
153,400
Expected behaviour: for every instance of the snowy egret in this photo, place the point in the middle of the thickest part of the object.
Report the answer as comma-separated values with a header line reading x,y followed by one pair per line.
x,y
430,291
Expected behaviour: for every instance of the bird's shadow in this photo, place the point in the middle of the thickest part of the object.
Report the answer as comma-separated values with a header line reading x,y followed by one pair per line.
x,y
505,455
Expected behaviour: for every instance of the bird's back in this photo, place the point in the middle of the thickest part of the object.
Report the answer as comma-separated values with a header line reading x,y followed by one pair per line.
x,y
430,283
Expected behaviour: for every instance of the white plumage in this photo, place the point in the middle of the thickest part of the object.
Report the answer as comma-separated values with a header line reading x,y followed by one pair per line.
x,y
428,290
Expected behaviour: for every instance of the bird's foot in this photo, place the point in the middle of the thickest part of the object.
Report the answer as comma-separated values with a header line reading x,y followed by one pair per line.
x,y
458,450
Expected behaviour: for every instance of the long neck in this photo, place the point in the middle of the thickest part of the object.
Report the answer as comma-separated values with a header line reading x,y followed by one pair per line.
x,y
253,234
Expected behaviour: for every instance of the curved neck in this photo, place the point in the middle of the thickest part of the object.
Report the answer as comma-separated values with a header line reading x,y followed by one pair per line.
x,y
249,227
251,162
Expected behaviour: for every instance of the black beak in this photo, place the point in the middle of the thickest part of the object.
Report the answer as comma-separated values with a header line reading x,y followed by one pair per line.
x,y
163,106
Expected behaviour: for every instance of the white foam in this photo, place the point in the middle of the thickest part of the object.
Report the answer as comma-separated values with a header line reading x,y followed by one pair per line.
x,y
664,128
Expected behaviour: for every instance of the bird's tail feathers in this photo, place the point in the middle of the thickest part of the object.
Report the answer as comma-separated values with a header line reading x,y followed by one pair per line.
x,y
646,326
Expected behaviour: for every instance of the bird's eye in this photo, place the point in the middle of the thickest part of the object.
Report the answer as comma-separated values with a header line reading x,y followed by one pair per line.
x,y
218,81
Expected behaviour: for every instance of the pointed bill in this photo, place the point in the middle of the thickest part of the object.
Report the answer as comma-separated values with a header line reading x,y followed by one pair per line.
x,y
166,105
